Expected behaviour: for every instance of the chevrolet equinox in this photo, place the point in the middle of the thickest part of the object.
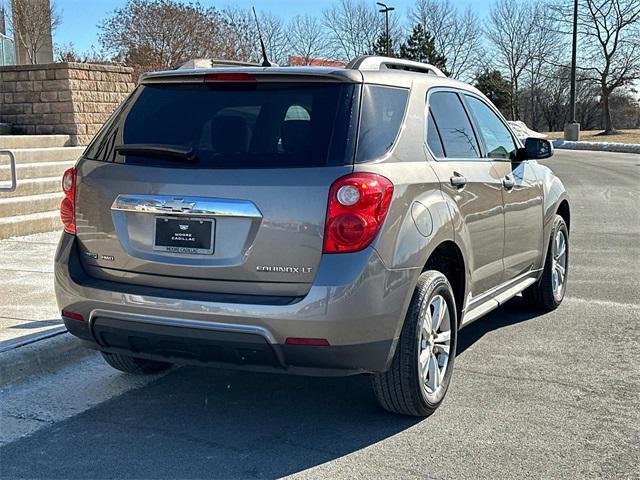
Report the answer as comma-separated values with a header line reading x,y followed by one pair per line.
x,y
315,221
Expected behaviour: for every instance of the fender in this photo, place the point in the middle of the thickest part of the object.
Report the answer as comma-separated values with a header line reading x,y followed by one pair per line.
x,y
554,193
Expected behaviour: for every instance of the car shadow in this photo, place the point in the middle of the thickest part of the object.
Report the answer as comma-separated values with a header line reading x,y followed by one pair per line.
x,y
207,423
511,313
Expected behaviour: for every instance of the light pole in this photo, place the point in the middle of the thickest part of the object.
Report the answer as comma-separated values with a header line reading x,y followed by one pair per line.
x,y
385,9
572,129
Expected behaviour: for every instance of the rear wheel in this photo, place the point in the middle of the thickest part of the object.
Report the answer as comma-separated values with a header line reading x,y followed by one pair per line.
x,y
422,366
135,365
547,294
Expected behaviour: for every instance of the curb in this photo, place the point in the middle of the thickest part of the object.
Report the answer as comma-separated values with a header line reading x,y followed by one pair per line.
x,y
597,146
41,357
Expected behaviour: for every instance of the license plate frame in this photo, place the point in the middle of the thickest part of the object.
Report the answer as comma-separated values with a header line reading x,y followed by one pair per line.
x,y
200,249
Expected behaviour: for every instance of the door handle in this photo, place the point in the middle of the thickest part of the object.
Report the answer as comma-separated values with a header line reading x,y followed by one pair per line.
x,y
508,182
458,180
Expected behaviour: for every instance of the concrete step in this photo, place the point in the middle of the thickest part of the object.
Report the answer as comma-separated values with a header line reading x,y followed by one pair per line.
x,y
35,186
46,202
33,141
19,225
43,155
36,170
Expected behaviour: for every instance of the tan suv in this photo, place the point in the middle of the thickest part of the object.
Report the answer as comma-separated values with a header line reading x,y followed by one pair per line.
x,y
322,221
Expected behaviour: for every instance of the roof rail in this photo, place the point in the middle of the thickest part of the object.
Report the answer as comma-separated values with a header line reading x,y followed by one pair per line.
x,y
373,62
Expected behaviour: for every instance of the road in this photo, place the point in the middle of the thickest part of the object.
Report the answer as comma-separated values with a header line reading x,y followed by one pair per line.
x,y
533,396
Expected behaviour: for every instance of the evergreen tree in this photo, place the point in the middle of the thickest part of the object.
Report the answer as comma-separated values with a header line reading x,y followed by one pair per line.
x,y
420,47
380,47
496,88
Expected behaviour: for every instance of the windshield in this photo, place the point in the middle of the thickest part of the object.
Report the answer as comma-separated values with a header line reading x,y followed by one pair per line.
x,y
241,125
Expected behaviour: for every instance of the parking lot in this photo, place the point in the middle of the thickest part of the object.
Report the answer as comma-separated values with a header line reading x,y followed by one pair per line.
x,y
533,396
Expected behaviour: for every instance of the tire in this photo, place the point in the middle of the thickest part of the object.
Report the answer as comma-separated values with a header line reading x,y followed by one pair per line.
x,y
403,389
545,295
135,365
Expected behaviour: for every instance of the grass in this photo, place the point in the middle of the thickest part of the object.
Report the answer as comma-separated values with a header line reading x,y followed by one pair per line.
x,y
622,136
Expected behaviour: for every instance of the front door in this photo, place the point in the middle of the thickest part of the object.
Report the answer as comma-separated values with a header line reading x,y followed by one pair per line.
x,y
473,184
521,191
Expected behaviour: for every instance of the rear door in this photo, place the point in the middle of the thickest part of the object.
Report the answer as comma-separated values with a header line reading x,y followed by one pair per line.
x,y
472,183
216,186
521,192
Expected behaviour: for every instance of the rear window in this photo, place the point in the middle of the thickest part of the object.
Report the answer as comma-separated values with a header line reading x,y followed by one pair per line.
x,y
242,125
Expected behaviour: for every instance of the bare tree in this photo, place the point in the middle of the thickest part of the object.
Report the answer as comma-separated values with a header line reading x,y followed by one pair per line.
x,y
545,51
165,33
353,27
307,38
610,44
32,22
509,28
458,36
67,52
275,38
242,34
245,35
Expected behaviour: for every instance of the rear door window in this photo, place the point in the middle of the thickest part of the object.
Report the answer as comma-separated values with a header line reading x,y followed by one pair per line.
x,y
247,125
383,110
458,138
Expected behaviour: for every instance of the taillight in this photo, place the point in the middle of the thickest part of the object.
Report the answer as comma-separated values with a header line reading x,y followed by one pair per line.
x,y
358,204
68,205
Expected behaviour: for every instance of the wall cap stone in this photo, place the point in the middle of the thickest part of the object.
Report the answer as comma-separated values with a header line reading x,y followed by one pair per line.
x,y
68,65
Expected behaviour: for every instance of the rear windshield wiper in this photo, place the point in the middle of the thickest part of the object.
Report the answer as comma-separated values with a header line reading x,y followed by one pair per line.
x,y
173,152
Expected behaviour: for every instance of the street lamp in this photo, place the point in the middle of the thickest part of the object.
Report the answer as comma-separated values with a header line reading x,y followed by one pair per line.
x,y
385,9
572,129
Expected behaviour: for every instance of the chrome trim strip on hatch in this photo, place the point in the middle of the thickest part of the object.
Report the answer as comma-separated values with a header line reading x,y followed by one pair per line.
x,y
177,205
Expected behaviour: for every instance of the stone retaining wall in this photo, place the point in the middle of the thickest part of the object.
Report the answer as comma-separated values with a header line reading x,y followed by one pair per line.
x,y
62,98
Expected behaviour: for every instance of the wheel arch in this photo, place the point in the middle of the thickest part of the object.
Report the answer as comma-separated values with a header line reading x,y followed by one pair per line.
x,y
448,259
565,212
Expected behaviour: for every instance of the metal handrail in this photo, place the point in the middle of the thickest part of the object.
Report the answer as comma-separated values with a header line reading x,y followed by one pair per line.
x,y
12,164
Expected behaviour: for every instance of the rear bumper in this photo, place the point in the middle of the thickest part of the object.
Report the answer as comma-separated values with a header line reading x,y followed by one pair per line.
x,y
355,303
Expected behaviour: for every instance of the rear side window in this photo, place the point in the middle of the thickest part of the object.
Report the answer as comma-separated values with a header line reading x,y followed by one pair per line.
x,y
242,125
382,114
454,126
496,136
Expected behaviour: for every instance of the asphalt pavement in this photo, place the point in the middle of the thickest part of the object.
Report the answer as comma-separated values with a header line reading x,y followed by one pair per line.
x,y
533,396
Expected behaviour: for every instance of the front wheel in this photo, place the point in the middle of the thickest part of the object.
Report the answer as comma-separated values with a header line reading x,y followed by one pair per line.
x,y
421,369
547,294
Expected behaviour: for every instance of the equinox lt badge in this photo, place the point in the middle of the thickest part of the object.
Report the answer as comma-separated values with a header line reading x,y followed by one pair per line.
x,y
277,269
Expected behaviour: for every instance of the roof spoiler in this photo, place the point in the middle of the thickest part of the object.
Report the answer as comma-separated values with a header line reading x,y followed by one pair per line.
x,y
374,62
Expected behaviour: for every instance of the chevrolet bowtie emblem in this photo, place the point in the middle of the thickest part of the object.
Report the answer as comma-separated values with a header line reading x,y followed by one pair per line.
x,y
177,205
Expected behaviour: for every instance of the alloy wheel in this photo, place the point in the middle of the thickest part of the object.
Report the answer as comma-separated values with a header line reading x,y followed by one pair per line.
x,y
559,264
435,344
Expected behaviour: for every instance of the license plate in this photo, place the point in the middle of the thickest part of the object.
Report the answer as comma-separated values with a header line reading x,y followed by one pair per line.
x,y
184,235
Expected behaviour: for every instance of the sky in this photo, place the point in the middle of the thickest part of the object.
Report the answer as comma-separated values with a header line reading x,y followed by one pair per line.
x,y
81,17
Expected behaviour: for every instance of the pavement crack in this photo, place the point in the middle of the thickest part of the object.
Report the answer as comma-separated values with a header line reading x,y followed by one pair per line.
x,y
21,416
530,379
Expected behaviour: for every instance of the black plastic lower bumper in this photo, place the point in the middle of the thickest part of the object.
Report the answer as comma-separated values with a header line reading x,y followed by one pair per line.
x,y
227,349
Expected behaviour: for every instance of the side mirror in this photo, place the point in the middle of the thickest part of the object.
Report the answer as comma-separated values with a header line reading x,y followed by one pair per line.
x,y
536,149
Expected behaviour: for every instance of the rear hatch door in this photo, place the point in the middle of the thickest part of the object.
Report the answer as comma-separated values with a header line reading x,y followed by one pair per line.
x,y
218,186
